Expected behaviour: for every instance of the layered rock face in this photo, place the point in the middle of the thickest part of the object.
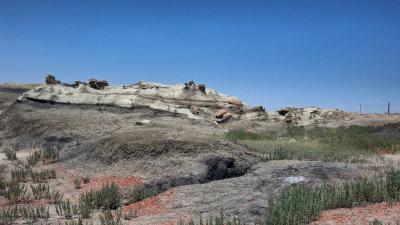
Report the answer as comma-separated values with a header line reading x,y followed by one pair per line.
x,y
194,101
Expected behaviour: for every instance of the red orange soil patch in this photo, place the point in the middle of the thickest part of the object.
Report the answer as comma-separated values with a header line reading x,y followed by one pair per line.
x,y
361,215
151,206
122,182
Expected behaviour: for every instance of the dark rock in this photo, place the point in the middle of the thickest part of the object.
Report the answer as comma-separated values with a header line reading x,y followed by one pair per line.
x,y
76,83
50,79
202,88
97,84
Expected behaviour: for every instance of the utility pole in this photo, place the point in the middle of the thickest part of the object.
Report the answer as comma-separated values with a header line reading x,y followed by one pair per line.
x,y
389,108
360,108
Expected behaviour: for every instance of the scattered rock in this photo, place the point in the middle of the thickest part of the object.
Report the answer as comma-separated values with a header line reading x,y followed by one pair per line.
x,y
292,140
143,122
97,84
235,100
202,88
294,180
220,113
195,109
50,79
76,83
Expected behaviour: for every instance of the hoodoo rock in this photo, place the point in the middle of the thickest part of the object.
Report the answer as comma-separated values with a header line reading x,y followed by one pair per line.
x,y
97,84
50,79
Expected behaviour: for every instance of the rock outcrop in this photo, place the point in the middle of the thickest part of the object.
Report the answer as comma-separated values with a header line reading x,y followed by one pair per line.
x,y
194,101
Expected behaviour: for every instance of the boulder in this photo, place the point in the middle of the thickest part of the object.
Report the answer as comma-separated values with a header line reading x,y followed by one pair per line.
x,y
235,100
195,109
50,79
220,113
202,88
225,117
76,83
97,84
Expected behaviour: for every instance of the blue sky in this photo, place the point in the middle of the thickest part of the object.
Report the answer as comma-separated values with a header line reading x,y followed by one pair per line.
x,y
331,54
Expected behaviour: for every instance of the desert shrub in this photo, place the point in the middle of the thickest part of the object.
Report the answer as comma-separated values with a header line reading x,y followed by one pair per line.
x,y
16,193
50,154
109,196
147,190
109,219
8,215
40,191
132,214
3,185
64,208
85,209
10,153
21,174
2,168
86,179
54,197
77,183
33,158
42,175
33,214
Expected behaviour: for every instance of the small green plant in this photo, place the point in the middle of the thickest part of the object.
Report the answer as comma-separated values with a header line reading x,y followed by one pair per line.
x,y
2,168
77,183
42,175
10,153
50,154
109,196
21,174
86,179
109,219
131,215
145,191
65,208
40,191
16,193
33,158
54,197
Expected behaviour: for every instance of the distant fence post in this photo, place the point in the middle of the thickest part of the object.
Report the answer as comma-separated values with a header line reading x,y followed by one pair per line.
x,y
389,108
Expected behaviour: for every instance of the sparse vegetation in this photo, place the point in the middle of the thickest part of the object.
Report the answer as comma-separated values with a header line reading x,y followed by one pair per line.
x,y
86,179
148,190
108,218
350,144
10,153
109,197
302,204
50,154
77,183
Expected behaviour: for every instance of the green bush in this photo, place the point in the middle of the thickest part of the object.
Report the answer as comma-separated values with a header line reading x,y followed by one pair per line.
x,y
109,219
50,154
109,197
10,153
147,190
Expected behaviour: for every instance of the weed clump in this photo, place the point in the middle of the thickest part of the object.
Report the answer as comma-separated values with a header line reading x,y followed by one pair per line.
x,y
10,153
148,190
109,197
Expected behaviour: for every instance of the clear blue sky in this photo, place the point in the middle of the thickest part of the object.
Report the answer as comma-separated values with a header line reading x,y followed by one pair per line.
x,y
328,53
